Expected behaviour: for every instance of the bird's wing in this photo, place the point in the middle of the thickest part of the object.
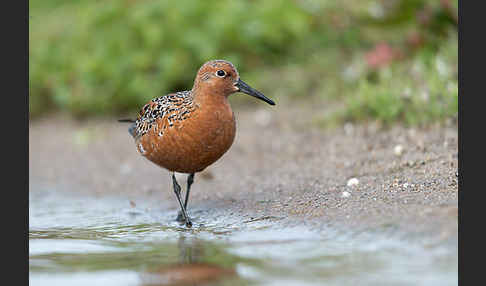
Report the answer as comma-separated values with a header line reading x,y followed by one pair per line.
x,y
170,107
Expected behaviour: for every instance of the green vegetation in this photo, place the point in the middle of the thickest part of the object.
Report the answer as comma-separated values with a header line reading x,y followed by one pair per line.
x,y
416,91
111,57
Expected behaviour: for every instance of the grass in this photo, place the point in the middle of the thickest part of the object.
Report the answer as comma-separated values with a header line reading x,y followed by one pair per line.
x,y
110,57
421,90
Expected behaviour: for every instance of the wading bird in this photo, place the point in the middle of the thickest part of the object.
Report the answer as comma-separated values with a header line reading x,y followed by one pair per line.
x,y
187,131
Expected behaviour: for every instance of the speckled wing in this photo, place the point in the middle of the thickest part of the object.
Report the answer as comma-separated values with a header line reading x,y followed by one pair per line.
x,y
168,108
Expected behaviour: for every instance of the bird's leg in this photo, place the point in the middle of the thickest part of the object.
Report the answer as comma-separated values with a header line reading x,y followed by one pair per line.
x,y
177,191
190,180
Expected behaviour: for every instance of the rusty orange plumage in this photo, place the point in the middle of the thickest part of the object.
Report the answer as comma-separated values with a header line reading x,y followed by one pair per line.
x,y
187,131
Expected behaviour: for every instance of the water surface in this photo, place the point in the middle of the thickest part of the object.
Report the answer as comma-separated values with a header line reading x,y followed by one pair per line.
x,y
88,240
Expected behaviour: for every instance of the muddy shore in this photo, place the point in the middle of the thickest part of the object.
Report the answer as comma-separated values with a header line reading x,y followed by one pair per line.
x,y
281,167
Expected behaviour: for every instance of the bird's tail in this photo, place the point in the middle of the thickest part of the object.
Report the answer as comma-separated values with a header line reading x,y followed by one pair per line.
x,y
131,129
126,120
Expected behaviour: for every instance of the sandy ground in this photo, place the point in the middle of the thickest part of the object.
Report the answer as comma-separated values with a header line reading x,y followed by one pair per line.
x,y
281,166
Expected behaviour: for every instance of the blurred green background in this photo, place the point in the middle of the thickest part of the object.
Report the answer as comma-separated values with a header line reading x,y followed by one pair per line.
x,y
384,60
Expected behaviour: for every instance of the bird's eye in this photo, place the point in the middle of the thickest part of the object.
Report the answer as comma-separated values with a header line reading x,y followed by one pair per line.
x,y
221,73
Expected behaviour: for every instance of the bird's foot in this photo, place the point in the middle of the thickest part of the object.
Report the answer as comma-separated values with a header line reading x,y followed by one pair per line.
x,y
188,223
181,218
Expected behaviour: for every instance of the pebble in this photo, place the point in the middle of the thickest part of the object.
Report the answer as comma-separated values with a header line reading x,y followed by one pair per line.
x,y
353,182
398,150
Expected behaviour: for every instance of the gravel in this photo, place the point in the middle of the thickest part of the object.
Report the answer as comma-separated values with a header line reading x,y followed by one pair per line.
x,y
280,165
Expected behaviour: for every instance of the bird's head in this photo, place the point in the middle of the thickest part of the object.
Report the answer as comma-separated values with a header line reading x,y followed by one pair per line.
x,y
220,77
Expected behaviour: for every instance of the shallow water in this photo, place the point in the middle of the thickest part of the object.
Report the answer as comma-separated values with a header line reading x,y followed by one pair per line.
x,y
75,240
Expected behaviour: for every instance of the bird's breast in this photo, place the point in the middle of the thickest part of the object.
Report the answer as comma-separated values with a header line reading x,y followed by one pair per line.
x,y
192,144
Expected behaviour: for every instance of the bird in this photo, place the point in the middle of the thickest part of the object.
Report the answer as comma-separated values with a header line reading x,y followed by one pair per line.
x,y
187,131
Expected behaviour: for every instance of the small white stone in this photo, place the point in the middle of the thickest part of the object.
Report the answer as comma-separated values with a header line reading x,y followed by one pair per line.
x,y
398,150
405,185
353,182
345,194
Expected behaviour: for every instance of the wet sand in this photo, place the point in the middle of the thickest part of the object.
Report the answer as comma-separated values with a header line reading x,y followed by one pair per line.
x,y
282,167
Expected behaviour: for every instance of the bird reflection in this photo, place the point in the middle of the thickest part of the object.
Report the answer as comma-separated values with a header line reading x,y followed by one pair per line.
x,y
191,269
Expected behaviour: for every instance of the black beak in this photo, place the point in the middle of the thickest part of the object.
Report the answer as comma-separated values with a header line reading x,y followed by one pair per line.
x,y
243,87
